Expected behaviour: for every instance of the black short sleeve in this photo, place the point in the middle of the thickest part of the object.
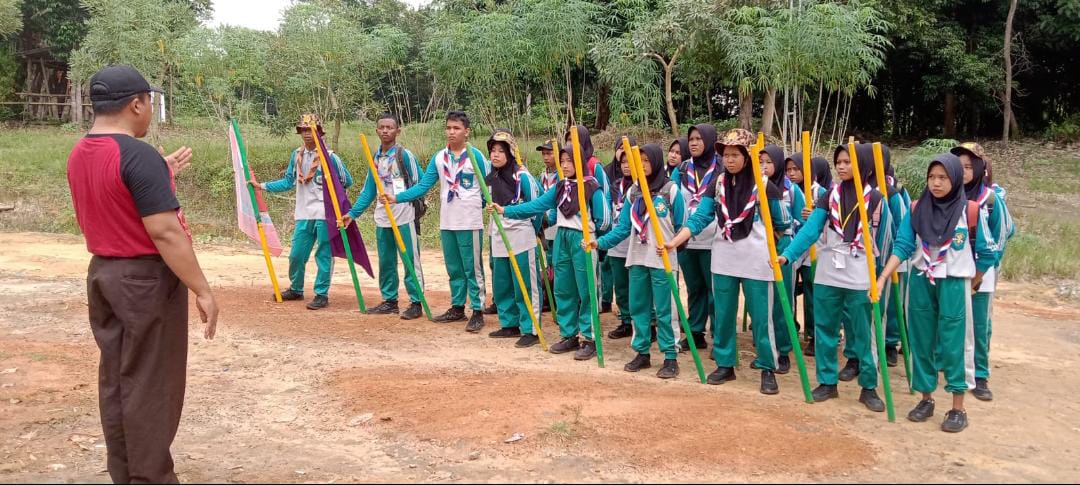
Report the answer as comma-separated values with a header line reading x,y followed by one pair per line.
x,y
146,176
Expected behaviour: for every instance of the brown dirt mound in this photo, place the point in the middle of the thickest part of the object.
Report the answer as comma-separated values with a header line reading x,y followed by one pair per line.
x,y
647,425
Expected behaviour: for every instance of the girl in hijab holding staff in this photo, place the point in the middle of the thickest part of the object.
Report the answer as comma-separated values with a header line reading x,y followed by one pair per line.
x,y
696,179
773,164
615,260
677,152
821,183
938,237
740,257
842,282
648,279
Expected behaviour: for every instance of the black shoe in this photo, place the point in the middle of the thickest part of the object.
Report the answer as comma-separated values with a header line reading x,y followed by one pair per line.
x,y
506,333
622,331
385,308
587,351
721,375
491,310
871,400
319,302
768,383
891,356
982,390
670,370
641,361
955,421
923,411
850,370
527,340
290,295
413,312
699,342
809,349
565,345
605,307
454,314
783,364
825,392
476,322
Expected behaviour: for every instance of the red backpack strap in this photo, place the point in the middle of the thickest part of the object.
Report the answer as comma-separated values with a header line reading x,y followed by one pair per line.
x,y
972,215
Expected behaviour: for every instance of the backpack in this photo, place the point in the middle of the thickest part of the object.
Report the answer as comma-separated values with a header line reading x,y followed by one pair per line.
x,y
419,205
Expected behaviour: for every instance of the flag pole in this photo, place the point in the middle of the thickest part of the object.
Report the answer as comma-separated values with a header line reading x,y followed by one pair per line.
x,y
590,271
868,243
509,249
337,212
879,170
255,208
405,259
766,219
637,170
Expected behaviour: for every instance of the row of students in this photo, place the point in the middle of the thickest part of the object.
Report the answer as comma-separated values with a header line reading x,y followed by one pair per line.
x,y
708,207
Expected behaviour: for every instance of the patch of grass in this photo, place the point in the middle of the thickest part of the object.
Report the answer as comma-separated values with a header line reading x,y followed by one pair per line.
x,y
1051,185
4,355
36,356
566,429
1043,247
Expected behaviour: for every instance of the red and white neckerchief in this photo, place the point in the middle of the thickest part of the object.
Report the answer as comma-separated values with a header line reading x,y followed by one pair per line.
x,y
570,190
697,186
619,198
548,180
729,223
641,220
838,224
933,262
451,172
517,181
302,177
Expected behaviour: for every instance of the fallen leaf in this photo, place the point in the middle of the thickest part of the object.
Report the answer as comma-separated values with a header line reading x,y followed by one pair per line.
x,y
515,438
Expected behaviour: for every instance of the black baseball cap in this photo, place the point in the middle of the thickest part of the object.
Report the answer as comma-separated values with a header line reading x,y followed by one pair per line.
x,y
118,82
545,146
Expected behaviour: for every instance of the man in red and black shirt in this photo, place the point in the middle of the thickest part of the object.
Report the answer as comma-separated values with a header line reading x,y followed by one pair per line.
x,y
139,276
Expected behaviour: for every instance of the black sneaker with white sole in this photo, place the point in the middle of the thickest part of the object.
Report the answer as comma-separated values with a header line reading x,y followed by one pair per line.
x,y
413,312
955,421
641,361
454,314
923,411
319,302
476,322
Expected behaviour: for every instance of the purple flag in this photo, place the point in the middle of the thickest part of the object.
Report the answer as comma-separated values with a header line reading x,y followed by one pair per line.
x,y
356,241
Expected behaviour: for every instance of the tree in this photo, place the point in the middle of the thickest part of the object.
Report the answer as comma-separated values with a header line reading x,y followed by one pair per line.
x,y
1007,118
10,17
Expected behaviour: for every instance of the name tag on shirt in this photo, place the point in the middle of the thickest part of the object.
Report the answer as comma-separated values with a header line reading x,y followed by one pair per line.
x,y
839,261
399,185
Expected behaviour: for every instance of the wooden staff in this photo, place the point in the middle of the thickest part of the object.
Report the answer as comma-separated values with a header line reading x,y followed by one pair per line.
x,y
879,170
586,236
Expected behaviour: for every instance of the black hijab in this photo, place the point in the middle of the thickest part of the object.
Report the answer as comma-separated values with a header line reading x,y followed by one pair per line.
x,y
848,195
657,160
503,182
708,137
569,206
684,153
934,219
975,187
822,174
738,188
615,174
777,155
585,140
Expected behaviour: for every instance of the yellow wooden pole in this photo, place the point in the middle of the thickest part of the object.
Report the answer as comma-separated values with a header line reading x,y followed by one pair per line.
x,y
808,183
586,237
879,170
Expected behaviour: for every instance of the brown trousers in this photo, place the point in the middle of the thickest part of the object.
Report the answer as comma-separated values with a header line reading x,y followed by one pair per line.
x,y
139,316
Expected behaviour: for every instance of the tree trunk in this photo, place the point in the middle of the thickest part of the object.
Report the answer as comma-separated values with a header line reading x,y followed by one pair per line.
x,y
1006,124
337,119
708,103
672,117
603,108
769,114
746,109
950,115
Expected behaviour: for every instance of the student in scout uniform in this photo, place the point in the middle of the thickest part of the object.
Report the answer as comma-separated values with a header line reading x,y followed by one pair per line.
x,y
842,282
821,182
592,165
740,257
678,151
571,288
938,237
621,181
549,178
398,170
461,221
979,188
898,206
305,175
773,164
696,178
652,292
510,183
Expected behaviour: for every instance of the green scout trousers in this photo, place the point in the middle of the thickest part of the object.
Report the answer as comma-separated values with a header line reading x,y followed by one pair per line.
x,y
572,285
388,262
832,306
759,302
462,251
982,311
306,234
696,267
941,331
806,275
508,294
779,321
607,284
620,281
652,292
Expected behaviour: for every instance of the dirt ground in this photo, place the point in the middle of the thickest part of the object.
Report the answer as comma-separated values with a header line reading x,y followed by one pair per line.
x,y
289,395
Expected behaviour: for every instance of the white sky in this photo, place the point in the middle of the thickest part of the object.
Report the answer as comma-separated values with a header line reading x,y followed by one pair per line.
x,y
260,14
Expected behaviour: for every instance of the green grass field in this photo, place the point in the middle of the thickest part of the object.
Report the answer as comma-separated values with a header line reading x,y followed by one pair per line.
x,y
33,179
